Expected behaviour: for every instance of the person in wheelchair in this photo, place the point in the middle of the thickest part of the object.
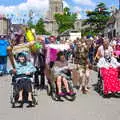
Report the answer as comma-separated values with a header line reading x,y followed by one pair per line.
x,y
62,74
108,66
108,60
23,73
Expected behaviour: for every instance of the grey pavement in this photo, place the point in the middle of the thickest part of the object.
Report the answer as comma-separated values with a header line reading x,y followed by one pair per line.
x,y
85,107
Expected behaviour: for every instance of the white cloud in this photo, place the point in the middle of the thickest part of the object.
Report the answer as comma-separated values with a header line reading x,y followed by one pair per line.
x,y
36,5
65,4
39,6
77,9
30,4
85,2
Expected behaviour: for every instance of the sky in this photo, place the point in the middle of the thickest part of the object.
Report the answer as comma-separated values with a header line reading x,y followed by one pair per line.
x,y
18,10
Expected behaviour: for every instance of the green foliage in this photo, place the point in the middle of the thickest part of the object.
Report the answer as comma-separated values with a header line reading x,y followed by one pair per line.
x,y
66,20
40,28
88,31
98,18
31,25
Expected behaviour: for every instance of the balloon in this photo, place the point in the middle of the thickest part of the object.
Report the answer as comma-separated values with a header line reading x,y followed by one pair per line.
x,y
29,35
38,45
30,38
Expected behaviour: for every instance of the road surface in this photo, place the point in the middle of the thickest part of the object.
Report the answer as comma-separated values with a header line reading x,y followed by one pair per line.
x,y
86,107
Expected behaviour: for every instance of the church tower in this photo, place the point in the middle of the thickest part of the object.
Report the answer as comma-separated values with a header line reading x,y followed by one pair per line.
x,y
55,6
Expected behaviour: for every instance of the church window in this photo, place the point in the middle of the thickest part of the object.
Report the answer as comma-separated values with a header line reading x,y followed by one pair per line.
x,y
56,9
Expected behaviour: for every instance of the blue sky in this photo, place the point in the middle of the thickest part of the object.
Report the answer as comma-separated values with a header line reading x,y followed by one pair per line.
x,y
11,2
17,2
18,9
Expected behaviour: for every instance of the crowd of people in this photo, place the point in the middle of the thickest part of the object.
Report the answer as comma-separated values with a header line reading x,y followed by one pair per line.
x,y
84,54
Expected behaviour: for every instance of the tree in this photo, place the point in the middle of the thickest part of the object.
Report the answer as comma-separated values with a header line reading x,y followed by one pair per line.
x,y
40,28
98,18
31,25
65,20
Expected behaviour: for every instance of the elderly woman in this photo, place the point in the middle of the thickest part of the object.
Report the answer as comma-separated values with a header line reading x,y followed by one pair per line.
x,y
60,70
108,61
23,67
108,69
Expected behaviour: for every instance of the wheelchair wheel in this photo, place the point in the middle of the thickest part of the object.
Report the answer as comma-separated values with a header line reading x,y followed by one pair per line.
x,y
48,89
12,100
54,96
72,97
13,105
54,93
100,86
35,102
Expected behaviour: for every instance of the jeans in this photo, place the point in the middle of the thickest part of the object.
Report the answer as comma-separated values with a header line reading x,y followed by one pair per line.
x,y
3,64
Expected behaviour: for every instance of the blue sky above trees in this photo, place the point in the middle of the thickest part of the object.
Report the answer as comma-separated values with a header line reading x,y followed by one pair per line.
x,y
20,8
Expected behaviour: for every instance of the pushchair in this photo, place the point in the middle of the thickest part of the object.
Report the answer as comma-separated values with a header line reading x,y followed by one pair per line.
x,y
108,83
52,86
15,92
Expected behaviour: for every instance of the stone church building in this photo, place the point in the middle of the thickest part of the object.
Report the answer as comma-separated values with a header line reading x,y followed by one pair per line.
x,y
113,25
56,6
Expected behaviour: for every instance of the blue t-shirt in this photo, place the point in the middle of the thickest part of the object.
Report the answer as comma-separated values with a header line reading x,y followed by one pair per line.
x,y
3,47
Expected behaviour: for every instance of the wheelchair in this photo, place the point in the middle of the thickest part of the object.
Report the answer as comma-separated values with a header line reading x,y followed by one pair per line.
x,y
15,92
52,87
100,88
